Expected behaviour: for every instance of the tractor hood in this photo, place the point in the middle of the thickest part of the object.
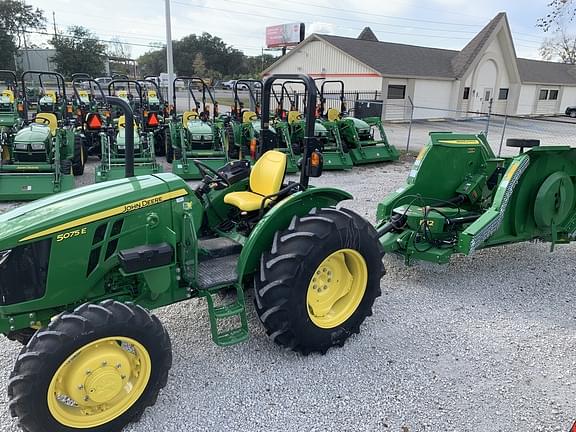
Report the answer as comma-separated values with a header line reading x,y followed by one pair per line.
x,y
121,138
33,133
79,207
320,129
200,128
8,118
359,124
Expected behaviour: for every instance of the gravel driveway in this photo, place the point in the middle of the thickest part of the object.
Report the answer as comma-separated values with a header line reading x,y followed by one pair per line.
x,y
485,343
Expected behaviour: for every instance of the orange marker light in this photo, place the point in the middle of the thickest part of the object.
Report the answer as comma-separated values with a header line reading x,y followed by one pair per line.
x,y
315,159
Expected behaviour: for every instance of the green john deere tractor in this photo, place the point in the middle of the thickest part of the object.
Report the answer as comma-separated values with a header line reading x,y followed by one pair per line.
x,y
244,125
358,135
10,118
113,160
196,134
79,270
333,151
92,112
460,197
155,113
46,151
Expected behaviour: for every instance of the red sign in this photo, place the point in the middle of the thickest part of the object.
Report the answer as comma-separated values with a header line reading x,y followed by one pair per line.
x,y
284,35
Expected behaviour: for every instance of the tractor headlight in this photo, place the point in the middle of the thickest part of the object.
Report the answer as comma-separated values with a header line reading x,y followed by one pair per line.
x,y
21,146
37,146
121,146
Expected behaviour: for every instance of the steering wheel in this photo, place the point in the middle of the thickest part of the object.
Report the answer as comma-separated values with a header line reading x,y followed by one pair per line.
x,y
210,175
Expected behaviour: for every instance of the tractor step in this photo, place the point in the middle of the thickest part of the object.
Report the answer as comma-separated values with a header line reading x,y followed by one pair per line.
x,y
217,314
217,272
217,247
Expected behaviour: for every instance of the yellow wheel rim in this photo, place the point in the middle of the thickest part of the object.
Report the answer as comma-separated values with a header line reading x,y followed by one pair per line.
x,y
99,382
336,289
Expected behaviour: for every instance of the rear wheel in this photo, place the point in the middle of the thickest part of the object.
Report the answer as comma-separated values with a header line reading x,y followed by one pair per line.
x,y
169,150
78,160
319,281
95,369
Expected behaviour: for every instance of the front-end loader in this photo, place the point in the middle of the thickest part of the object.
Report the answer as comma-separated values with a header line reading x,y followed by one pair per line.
x,y
197,134
460,197
113,143
79,271
46,151
358,135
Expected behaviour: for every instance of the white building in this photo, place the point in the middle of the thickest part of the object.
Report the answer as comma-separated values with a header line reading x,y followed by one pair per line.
x,y
438,82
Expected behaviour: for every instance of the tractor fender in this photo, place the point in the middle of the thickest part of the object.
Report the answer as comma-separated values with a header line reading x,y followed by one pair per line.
x,y
278,218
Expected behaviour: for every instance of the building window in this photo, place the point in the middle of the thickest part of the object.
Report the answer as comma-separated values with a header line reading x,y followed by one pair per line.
x,y
466,93
543,95
396,91
553,95
503,94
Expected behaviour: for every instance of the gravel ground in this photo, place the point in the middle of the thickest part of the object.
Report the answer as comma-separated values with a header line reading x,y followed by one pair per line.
x,y
484,343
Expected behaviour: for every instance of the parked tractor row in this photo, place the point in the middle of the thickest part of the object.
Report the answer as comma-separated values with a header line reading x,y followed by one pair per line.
x,y
47,138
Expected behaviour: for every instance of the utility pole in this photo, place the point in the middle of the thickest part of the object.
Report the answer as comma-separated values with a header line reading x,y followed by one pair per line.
x,y
25,43
169,57
54,22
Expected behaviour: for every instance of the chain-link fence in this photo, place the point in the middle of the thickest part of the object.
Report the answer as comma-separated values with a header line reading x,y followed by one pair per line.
x,y
408,125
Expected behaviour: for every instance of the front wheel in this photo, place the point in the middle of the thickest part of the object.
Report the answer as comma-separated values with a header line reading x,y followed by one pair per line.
x,y
95,369
318,283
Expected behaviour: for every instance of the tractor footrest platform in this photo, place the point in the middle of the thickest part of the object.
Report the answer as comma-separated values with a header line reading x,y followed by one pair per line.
x,y
217,272
217,247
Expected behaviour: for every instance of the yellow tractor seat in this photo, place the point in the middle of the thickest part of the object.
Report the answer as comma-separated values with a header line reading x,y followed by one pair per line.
x,y
8,94
84,96
265,179
122,122
47,119
189,115
333,114
294,116
248,116
51,94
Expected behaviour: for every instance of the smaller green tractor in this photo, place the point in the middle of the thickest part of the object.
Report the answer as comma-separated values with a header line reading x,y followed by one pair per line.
x,y
79,270
200,133
10,117
46,151
155,113
245,122
333,150
460,197
113,160
92,112
358,136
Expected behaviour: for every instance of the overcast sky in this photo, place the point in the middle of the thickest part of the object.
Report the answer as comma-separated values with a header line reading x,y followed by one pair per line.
x,y
241,23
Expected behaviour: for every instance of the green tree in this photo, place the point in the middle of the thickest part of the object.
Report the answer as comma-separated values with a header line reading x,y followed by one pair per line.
x,y
152,62
199,65
79,51
16,18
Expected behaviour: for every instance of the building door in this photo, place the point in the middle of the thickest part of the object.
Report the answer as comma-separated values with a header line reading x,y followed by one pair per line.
x,y
487,97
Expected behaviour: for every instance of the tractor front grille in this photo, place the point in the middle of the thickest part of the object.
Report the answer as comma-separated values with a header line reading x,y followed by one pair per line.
x,y
23,272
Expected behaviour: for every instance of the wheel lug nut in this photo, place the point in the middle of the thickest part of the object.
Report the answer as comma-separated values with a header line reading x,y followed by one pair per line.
x,y
80,386
88,371
118,366
123,376
104,363
86,398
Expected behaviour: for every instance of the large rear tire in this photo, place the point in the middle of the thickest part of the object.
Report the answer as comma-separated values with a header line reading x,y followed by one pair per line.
x,y
78,159
95,369
318,283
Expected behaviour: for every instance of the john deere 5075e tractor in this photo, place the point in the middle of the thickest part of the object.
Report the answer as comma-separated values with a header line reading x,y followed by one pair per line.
x,y
83,267
460,197
45,152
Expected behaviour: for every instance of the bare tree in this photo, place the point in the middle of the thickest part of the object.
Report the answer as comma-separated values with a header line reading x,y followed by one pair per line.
x,y
560,47
116,48
561,12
